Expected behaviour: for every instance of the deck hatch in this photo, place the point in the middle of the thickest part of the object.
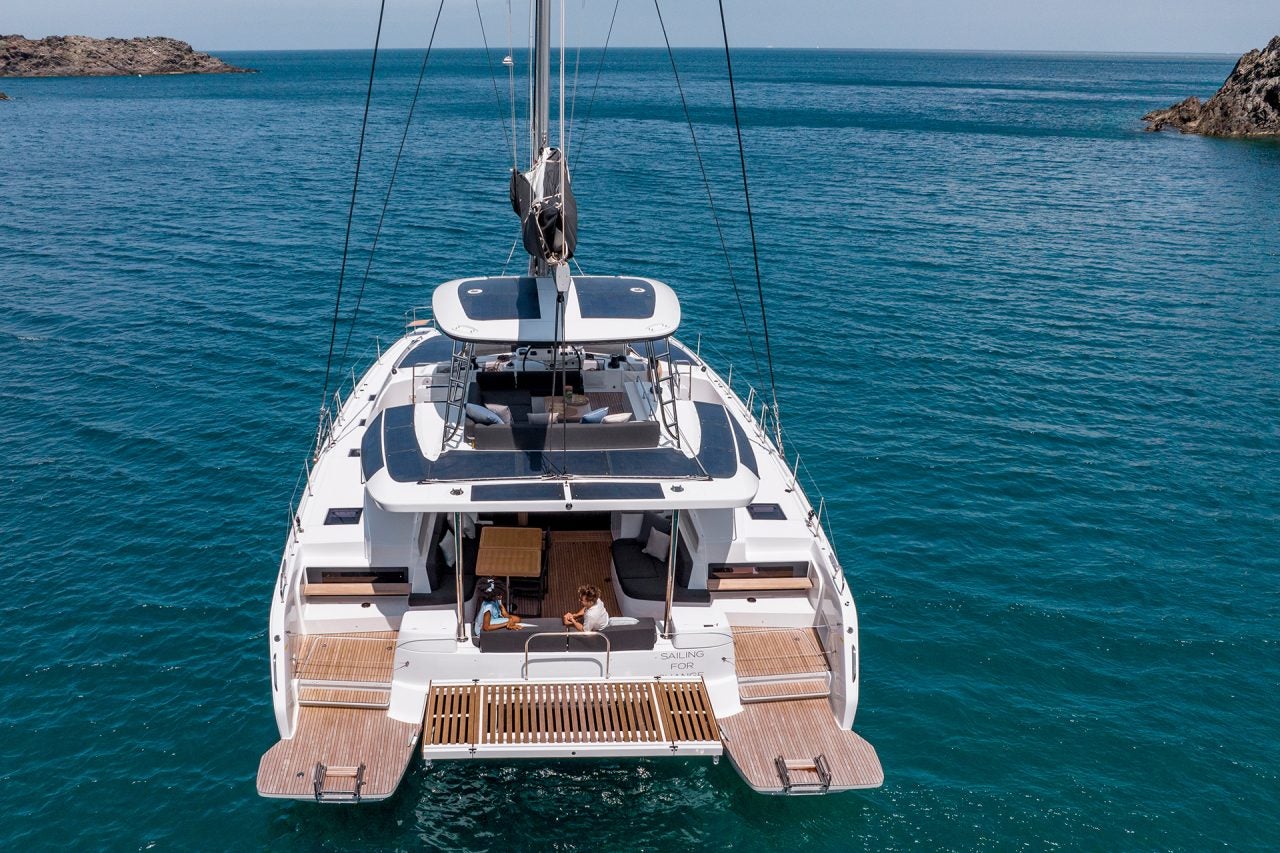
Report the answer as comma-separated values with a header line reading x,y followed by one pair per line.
x,y
343,515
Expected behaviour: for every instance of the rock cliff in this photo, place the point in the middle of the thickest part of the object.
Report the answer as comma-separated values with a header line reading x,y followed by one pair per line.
x,y
1248,104
81,56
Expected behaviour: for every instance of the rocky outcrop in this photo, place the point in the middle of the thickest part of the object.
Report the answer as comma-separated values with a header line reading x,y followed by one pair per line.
x,y
1248,104
81,56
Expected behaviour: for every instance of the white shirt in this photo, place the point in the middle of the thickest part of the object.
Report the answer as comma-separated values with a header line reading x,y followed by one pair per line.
x,y
596,618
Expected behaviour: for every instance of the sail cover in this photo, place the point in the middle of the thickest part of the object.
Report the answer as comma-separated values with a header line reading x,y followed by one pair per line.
x,y
547,211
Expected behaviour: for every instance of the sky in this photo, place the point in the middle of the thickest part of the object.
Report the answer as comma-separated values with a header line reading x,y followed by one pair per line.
x,y
1152,26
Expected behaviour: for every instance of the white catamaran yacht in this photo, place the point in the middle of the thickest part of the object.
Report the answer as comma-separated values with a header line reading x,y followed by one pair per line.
x,y
547,431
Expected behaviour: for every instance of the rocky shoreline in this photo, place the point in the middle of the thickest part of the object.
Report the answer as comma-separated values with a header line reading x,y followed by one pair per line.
x,y
1248,104
82,56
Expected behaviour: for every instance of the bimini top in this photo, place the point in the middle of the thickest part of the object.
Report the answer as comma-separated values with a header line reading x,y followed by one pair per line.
x,y
522,309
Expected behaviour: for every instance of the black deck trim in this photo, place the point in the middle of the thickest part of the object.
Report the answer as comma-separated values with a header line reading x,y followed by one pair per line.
x,y
434,350
371,460
716,450
746,453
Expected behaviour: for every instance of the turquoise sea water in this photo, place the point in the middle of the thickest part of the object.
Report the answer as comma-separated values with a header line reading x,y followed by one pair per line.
x,y
1029,353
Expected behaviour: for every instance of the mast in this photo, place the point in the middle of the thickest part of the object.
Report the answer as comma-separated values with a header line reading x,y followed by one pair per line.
x,y
542,197
541,106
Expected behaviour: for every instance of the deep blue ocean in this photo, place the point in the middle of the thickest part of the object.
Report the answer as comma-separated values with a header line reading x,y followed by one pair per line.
x,y
1030,354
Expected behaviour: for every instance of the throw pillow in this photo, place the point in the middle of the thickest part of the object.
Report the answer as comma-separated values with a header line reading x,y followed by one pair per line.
x,y
448,549
481,415
595,416
619,418
658,546
503,412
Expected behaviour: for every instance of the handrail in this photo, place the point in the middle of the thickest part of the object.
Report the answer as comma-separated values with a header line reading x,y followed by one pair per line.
x,y
608,647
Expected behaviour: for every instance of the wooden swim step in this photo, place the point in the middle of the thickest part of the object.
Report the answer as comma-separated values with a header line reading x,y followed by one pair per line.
x,y
600,717
781,690
321,695
780,664
341,754
796,747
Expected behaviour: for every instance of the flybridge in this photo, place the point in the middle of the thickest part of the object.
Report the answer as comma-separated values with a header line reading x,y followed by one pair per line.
x,y
525,309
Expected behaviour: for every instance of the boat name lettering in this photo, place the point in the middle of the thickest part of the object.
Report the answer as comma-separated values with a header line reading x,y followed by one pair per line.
x,y
683,655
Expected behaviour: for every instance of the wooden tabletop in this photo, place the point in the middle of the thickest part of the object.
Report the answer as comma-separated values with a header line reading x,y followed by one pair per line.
x,y
571,412
511,537
513,552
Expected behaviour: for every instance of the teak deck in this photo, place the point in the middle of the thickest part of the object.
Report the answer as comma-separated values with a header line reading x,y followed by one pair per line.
x,y
799,729
770,652
364,657
339,737
544,718
575,558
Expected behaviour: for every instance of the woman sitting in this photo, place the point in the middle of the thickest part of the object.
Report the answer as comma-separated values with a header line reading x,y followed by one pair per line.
x,y
492,615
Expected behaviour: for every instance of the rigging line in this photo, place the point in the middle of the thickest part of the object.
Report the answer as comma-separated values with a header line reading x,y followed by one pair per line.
x,y
395,169
600,68
510,62
746,194
502,111
706,183
573,101
510,255
355,186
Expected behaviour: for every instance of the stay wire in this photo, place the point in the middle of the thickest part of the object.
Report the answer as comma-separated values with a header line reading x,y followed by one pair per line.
x,y
502,108
599,69
706,183
355,186
746,194
395,169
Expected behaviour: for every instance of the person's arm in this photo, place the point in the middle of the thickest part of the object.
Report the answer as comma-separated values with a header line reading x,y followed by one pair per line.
x,y
486,626
572,618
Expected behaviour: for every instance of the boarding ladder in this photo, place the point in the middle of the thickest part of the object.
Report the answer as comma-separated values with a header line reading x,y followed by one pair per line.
x,y
455,401
667,388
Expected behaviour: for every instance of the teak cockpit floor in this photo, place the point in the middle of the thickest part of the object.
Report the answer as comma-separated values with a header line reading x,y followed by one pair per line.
x,y
797,730
339,737
366,657
778,652
578,557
